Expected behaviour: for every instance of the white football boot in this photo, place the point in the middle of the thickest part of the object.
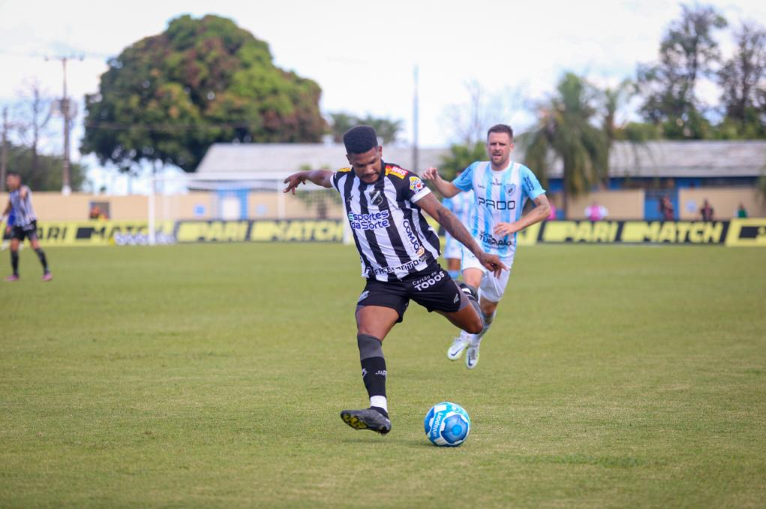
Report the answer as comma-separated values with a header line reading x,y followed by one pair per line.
x,y
458,347
472,355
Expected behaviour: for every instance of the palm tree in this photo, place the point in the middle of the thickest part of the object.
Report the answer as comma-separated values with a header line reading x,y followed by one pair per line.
x,y
566,130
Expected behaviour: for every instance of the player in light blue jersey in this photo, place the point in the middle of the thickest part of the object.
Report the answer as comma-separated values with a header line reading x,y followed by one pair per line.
x,y
501,188
461,205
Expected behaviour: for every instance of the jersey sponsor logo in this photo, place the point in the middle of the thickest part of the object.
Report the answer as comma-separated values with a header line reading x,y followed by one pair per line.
x,y
416,245
492,241
372,221
416,184
406,267
395,170
428,281
344,170
497,204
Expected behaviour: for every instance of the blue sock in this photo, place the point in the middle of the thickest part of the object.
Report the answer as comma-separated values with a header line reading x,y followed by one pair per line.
x,y
454,274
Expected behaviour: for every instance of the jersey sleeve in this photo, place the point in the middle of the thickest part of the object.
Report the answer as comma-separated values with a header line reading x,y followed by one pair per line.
x,y
415,189
529,184
338,175
464,181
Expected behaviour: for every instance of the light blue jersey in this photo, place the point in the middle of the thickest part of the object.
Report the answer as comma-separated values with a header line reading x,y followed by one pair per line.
x,y
499,198
462,206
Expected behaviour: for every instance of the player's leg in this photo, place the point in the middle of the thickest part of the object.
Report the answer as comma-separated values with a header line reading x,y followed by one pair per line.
x,y
381,306
453,267
492,289
473,275
18,236
33,240
438,292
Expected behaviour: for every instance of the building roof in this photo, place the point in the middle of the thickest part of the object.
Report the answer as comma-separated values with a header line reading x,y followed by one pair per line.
x,y
651,159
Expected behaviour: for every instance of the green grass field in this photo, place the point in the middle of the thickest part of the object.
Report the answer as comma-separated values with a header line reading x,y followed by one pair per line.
x,y
212,376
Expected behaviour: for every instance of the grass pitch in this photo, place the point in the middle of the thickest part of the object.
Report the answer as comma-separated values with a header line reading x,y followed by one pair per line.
x,y
213,375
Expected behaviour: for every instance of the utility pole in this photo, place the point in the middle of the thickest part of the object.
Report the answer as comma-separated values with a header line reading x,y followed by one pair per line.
x,y
415,105
4,150
66,112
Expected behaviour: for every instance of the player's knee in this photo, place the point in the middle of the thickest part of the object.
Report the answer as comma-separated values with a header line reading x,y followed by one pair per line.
x,y
474,326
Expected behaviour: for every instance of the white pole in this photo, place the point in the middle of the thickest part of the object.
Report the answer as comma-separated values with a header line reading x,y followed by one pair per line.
x,y
152,226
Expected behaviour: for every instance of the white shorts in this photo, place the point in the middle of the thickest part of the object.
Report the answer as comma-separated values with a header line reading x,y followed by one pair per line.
x,y
452,248
492,287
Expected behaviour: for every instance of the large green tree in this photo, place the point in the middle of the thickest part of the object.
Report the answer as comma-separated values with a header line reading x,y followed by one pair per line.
x,y
166,98
566,130
743,83
688,52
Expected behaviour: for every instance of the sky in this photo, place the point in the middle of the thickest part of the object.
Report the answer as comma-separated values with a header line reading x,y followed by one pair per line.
x,y
363,55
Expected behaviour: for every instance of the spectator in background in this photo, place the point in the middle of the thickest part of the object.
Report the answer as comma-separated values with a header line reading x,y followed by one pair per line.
x,y
706,212
741,211
667,211
595,212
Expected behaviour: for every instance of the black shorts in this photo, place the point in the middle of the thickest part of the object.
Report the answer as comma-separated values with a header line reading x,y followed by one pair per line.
x,y
434,290
29,231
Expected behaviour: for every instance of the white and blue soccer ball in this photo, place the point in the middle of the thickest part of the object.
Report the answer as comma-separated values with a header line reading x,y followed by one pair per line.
x,y
447,424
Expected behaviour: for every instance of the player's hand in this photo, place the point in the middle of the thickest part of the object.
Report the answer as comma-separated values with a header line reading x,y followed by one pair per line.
x,y
506,228
293,181
492,262
431,173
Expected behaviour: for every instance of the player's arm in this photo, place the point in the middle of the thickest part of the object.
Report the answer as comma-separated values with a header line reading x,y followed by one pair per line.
x,y
541,211
446,189
321,178
452,224
23,192
7,211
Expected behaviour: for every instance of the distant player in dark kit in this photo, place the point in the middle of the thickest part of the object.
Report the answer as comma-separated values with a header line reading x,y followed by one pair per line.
x,y
24,226
398,250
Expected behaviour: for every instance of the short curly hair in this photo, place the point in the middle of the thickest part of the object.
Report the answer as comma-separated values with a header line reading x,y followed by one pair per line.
x,y
360,139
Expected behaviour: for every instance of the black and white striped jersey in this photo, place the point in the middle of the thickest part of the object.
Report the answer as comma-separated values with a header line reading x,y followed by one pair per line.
x,y
22,207
390,231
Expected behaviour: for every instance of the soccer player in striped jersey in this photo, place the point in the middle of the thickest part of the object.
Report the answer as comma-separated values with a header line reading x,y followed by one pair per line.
x,y
24,226
461,205
384,204
501,188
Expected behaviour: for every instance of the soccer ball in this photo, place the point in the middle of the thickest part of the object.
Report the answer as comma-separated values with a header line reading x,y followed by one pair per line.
x,y
447,424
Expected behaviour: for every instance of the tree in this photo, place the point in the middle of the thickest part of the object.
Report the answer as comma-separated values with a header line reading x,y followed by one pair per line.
x,y
566,129
613,100
461,157
47,175
168,97
688,52
470,121
388,130
32,116
742,82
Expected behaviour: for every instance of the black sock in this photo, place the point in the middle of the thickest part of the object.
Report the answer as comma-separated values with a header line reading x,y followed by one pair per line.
x,y
374,376
41,256
15,262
